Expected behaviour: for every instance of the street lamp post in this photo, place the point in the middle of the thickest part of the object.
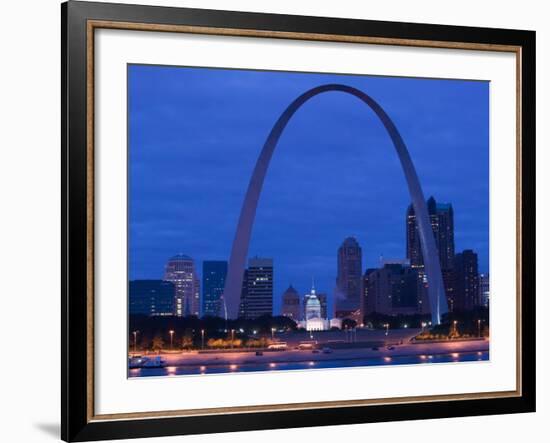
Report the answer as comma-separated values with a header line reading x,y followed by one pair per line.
x,y
202,338
272,334
454,326
135,341
232,337
387,325
171,339
479,328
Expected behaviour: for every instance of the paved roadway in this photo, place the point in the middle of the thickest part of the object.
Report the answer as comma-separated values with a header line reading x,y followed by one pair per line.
x,y
340,350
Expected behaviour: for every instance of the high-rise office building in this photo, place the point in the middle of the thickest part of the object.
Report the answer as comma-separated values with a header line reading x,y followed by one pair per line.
x,y
442,220
257,295
151,297
449,285
393,289
441,217
349,275
180,270
291,307
466,290
244,292
213,283
367,301
484,292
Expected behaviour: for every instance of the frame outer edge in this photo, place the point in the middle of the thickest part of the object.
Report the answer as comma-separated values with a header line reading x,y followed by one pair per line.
x,y
64,221
74,334
528,228
75,421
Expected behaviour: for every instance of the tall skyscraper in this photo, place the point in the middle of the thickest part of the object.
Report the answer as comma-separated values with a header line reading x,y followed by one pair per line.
x,y
291,307
466,293
180,270
349,274
484,292
244,292
442,221
257,296
213,283
367,299
449,285
151,297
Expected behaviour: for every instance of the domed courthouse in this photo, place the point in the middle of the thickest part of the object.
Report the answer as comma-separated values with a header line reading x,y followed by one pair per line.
x,y
313,320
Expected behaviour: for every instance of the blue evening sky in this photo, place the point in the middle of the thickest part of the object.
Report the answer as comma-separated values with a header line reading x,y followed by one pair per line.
x,y
195,134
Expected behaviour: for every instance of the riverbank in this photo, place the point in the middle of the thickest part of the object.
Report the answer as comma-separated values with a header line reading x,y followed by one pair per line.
x,y
407,349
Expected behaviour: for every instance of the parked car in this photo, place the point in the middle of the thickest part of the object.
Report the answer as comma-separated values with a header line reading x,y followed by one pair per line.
x,y
307,344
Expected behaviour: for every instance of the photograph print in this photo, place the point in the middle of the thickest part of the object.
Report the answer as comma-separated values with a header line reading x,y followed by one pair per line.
x,y
305,221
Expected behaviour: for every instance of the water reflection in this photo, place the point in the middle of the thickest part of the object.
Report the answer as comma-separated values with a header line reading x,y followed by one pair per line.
x,y
321,364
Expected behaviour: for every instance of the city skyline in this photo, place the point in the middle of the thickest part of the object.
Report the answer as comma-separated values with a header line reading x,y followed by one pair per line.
x,y
359,212
257,282
338,299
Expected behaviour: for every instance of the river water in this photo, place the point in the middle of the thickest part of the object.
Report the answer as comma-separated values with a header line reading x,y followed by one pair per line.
x,y
313,364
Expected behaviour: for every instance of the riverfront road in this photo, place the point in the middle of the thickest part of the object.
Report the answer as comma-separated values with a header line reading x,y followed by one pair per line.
x,y
370,348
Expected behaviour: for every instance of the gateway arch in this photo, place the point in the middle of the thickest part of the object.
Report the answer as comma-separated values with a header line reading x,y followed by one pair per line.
x,y
239,251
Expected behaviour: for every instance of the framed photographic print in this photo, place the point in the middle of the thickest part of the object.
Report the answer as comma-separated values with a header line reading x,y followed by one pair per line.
x,y
277,221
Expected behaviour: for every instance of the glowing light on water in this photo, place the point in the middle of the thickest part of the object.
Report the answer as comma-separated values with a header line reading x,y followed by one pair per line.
x,y
171,370
423,357
455,354
233,367
311,363
387,359
272,365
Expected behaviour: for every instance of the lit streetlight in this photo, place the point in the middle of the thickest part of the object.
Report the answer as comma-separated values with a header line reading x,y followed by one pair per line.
x,y
202,338
387,326
479,327
171,339
272,334
232,337
135,341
